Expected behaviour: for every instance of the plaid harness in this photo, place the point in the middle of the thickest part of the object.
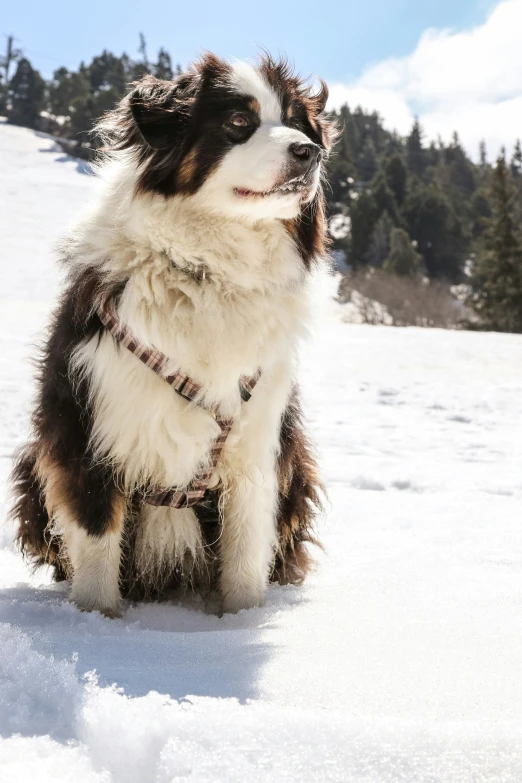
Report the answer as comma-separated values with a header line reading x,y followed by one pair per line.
x,y
189,390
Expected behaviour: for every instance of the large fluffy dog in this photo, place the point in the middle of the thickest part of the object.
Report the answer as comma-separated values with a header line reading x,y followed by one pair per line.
x,y
205,241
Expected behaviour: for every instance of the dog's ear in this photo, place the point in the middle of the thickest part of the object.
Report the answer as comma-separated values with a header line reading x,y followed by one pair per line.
x,y
319,99
325,121
162,109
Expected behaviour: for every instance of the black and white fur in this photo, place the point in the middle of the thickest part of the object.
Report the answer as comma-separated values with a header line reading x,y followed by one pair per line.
x,y
208,231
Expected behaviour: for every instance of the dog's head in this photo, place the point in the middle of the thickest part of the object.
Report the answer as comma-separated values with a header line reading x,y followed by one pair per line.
x,y
242,139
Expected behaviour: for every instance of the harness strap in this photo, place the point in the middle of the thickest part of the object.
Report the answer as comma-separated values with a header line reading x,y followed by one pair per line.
x,y
185,387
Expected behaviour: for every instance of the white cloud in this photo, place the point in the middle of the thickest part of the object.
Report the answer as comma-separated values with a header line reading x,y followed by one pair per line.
x,y
469,81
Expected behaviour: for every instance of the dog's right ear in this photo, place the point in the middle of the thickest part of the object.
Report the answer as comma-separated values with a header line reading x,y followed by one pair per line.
x,y
161,109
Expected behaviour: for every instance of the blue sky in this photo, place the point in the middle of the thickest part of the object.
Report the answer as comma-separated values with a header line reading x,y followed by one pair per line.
x,y
335,40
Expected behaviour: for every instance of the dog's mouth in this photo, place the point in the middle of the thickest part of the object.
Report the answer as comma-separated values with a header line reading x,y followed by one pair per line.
x,y
294,186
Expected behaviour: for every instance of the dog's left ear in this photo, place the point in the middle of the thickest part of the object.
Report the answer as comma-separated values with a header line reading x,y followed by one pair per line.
x,y
326,121
162,109
319,99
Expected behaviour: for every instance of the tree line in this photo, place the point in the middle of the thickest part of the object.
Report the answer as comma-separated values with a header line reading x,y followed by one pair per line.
x,y
397,203
417,208
68,104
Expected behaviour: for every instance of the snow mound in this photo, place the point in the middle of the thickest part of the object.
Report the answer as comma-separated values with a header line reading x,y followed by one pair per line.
x,y
107,736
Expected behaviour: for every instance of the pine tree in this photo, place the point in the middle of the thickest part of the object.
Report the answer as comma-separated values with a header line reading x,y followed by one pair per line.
x,y
480,213
385,199
437,228
108,82
403,259
106,73
363,215
516,161
379,245
397,177
460,168
367,160
142,49
415,152
497,277
163,68
483,155
11,56
65,88
26,95
433,154
340,178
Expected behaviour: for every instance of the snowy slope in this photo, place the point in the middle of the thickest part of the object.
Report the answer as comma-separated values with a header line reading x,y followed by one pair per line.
x,y
400,658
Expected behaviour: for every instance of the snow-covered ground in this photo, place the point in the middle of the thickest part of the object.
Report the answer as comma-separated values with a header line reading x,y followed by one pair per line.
x,y
399,660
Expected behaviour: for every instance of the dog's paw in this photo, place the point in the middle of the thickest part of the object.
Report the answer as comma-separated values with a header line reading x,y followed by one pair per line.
x,y
234,602
87,604
111,614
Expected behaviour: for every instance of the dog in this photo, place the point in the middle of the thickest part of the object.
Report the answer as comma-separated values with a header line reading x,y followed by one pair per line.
x,y
200,257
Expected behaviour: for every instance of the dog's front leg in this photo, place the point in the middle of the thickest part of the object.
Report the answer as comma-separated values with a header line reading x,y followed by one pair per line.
x,y
249,534
248,539
88,512
95,562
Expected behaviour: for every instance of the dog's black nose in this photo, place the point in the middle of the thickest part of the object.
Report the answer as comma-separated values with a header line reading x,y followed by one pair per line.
x,y
307,153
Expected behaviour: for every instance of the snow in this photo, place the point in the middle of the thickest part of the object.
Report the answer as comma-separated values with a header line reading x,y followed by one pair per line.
x,y
339,225
399,660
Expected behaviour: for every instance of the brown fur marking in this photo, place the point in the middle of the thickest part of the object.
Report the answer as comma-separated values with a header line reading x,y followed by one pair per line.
x,y
54,483
301,495
188,168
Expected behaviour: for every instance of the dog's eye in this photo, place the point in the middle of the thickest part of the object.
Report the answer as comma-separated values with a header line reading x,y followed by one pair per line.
x,y
239,121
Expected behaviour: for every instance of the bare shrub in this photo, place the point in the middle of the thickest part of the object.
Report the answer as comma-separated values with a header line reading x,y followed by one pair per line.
x,y
381,297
